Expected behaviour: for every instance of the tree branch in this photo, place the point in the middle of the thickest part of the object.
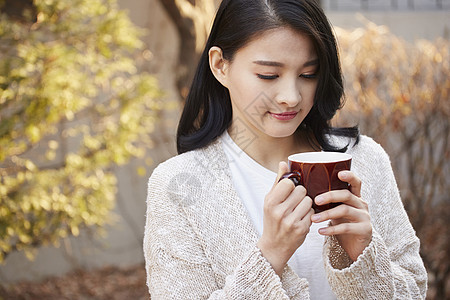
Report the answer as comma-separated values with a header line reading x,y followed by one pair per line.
x,y
192,19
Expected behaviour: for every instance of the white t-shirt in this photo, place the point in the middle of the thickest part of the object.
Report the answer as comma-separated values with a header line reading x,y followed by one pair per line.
x,y
252,182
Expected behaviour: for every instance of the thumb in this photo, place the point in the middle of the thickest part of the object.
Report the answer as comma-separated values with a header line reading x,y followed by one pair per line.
x,y
282,169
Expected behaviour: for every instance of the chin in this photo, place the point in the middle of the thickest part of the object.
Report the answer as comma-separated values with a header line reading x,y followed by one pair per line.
x,y
281,133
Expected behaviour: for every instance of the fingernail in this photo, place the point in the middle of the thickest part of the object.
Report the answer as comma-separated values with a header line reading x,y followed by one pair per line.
x,y
315,218
323,230
319,200
343,174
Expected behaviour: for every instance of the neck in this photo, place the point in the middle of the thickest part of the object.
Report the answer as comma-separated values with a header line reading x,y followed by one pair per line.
x,y
269,151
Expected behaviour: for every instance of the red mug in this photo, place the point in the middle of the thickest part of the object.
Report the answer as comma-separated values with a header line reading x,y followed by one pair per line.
x,y
317,172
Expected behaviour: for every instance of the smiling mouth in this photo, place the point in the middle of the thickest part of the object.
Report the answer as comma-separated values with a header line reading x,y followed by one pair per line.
x,y
286,116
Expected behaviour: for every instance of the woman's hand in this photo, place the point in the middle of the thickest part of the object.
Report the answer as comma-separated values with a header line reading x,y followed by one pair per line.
x,y
350,221
287,219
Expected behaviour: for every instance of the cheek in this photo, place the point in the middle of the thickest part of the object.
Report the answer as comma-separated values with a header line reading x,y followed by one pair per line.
x,y
245,92
311,92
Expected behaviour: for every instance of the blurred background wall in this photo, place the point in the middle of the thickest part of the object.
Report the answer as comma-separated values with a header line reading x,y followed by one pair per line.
x,y
122,246
408,19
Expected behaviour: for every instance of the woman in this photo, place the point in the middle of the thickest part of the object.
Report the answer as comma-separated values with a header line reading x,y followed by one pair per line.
x,y
220,223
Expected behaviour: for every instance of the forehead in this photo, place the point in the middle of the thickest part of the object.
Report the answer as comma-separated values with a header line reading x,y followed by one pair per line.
x,y
281,44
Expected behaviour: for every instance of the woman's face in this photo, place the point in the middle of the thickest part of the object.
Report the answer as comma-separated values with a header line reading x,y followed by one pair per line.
x,y
272,82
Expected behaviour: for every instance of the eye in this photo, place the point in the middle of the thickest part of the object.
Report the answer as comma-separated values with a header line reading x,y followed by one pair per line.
x,y
309,76
267,77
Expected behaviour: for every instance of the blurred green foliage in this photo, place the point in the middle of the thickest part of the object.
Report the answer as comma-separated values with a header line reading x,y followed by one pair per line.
x,y
73,104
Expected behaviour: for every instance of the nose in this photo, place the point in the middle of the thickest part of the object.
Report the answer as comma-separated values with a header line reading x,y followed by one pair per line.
x,y
289,93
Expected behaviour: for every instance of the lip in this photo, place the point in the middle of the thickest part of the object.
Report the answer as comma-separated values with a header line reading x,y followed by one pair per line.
x,y
285,116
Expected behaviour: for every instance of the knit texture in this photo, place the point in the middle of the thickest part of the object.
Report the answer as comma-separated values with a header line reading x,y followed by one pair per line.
x,y
199,242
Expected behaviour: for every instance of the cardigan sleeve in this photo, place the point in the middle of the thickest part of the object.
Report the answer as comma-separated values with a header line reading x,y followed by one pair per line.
x,y
177,267
390,267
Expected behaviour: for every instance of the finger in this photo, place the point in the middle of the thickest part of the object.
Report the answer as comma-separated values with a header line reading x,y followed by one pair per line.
x,y
343,212
353,180
302,210
294,199
282,169
339,196
280,190
279,193
301,217
346,228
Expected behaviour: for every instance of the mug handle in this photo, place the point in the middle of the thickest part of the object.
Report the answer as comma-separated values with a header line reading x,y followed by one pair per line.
x,y
294,176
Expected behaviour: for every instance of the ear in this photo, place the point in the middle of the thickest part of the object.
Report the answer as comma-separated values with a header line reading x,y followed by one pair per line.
x,y
218,65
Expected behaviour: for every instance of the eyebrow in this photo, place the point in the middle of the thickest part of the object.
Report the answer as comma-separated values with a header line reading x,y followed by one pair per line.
x,y
313,62
278,64
268,63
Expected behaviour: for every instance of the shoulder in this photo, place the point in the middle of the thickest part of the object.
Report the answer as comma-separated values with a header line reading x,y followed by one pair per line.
x,y
174,167
372,164
368,150
177,163
172,182
362,149
369,159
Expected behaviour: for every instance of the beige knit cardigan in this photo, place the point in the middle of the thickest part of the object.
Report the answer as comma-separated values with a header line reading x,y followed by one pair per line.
x,y
200,243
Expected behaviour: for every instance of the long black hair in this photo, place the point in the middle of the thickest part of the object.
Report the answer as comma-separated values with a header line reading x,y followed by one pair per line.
x,y
207,112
